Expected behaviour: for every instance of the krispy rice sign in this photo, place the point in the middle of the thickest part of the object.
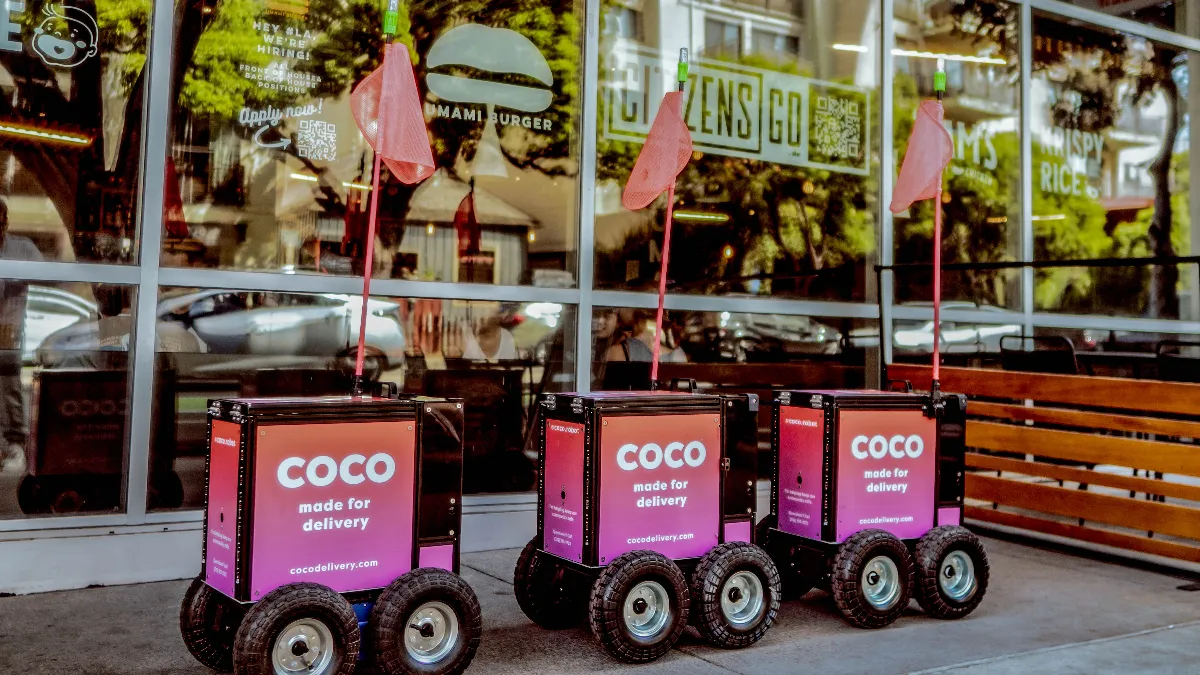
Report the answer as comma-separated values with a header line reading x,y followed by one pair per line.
x,y
739,111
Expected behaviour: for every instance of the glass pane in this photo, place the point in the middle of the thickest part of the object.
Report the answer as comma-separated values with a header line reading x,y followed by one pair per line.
x,y
780,197
64,375
269,171
623,342
981,202
72,84
1110,163
497,357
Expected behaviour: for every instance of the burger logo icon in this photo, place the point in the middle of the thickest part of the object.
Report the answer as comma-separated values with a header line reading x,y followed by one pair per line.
x,y
515,63
67,37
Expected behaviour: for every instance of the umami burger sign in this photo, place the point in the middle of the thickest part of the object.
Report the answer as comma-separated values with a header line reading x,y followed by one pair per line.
x,y
475,69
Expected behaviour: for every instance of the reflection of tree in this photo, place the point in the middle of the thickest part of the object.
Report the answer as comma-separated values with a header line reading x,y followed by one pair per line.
x,y
1095,76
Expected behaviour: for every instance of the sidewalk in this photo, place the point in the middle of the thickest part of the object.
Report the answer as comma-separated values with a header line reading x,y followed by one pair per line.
x,y
1045,612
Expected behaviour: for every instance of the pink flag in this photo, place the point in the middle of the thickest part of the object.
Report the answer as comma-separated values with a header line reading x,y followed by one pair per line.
x,y
388,98
666,152
929,152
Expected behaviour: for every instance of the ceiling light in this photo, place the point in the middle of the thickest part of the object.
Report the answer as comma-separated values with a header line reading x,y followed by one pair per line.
x,y
30,132
304,176
849,48
949,57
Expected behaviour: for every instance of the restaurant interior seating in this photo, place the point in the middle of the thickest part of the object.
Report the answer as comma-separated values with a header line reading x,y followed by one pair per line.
x,y
1053,354
1178,360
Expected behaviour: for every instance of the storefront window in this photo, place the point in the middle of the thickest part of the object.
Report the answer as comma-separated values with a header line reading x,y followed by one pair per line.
x,y
780,197
981,203
496,356
269,172
64,372
71,112
1110,168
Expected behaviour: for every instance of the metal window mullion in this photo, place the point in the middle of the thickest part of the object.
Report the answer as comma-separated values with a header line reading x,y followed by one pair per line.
x,y
69,272
1104,322
720,303
155,124
1116,23
587,196
396,288
887,29
1193,59
1025,55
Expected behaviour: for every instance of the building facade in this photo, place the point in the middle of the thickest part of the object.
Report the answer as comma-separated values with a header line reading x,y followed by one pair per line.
x,y
186,196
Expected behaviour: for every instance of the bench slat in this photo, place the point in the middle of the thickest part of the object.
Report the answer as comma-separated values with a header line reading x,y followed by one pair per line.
x,y
1129,542
1085,420
1180,398
1136,514
1133,483
1085,448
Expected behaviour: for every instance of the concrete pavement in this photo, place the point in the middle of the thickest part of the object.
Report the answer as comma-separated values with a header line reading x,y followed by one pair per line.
x,y
1046,611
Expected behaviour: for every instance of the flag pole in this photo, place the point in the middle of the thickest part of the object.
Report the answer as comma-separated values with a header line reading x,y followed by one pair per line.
x,y
389,29
939,87
682,73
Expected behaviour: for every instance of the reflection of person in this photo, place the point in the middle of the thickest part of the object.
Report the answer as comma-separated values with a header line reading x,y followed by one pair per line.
x,y
115,328
604,336
116,324
638,344
492,341
12,329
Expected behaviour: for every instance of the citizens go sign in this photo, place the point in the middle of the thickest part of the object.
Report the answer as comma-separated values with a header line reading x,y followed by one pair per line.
x,y
738,111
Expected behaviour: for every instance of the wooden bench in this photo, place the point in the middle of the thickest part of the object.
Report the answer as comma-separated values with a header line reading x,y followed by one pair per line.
x,y
1110,461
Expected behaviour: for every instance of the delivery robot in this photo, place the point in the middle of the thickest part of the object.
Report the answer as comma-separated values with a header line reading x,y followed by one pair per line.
x,y
332,536
645,520
868,501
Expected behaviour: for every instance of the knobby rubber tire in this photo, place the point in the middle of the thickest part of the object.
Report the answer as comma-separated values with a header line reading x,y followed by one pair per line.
x,y
252,648
846,574
930,552
208,623
543,591
607,602
708,582
389,619
793,584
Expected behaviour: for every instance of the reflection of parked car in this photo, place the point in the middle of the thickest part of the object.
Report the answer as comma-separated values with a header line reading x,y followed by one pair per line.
x,y
746,337
49,310
916,337
277,329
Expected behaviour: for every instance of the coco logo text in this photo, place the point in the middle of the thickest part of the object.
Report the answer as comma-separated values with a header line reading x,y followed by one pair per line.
x,y
322,471
879,447
651,455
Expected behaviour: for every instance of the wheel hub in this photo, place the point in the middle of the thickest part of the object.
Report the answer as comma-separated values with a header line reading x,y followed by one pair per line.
x,y
432,632
881,584
304,646
958,581
647,609
742,599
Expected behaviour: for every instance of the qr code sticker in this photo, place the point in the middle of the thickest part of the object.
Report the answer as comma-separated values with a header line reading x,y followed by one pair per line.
x,y
838,127
317,140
